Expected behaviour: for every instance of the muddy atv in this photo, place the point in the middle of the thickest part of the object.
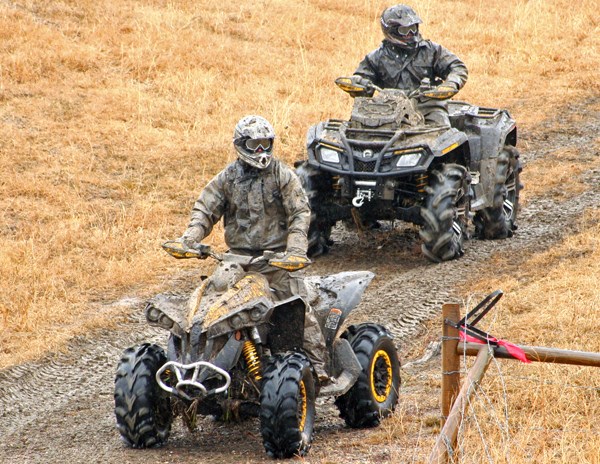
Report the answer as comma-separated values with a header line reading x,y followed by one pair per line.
x,y
386,163
234,352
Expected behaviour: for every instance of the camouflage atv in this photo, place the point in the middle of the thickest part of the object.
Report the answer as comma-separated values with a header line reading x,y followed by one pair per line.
x,y
386,163
234,352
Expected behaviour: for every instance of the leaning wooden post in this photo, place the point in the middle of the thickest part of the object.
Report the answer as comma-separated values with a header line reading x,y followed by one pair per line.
x,y
446,441
450,358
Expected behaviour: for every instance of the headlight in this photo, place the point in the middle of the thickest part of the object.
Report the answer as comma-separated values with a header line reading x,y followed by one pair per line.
x,y
157,317
329,156
409,160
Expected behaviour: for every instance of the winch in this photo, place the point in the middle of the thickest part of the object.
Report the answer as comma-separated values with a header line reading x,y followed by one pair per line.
x,y
363,194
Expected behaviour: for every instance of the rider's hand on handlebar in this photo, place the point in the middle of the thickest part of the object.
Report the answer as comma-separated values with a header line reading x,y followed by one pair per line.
x,y
356,86
291,260
361,81
442,91
194,245
203,249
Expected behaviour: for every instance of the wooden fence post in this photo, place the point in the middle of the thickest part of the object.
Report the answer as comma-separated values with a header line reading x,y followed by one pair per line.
x,y
446,441
450,359
455,403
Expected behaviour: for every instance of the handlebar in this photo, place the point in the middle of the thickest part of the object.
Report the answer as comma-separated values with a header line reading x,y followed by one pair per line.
x,y
426,90
178,250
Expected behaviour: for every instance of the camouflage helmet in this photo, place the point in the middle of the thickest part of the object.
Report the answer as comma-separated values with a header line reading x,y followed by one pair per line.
x,y
253,140
400,26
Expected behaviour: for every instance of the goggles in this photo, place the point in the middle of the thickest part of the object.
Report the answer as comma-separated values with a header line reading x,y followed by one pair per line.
x,y
255,144
405,30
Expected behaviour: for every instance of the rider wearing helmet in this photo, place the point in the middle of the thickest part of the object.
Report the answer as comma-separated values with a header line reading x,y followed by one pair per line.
x,y
264,207
260,199
405,61
253,139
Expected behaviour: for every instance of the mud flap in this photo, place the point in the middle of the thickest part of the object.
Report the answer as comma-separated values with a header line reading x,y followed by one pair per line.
x,y
346,369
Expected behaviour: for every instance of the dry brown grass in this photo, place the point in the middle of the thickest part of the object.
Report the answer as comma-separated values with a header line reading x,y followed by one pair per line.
x,y
114,114
551,410
544,413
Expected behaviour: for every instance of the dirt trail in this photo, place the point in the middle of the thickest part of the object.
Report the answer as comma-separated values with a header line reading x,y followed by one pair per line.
x,y
60,409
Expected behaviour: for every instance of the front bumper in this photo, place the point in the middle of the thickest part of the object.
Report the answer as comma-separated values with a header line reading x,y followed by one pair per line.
x,y
186,376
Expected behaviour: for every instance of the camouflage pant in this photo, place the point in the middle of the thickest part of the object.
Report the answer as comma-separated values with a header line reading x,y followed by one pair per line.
x,y
285,285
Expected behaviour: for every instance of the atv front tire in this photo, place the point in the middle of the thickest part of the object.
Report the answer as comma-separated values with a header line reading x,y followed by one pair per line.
x,y
287,406
375,393
499,220
446,213
142,408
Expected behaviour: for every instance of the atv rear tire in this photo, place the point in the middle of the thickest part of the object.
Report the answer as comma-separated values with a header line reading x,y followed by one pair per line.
x,y
316,186
142,408
446,213
375,393
499,220
287,406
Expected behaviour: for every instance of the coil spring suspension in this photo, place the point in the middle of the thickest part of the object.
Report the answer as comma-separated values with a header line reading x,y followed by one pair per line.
x,y
252,359
422,181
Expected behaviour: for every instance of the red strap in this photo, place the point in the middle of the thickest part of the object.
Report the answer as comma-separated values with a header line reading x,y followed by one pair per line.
x,y
512,349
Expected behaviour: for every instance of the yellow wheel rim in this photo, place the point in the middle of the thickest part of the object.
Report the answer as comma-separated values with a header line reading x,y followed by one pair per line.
x,y
302,406
381,376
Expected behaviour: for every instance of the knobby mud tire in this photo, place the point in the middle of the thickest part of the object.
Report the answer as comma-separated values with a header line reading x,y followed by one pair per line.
x,y
142,408
315,186
375,393
446,213
500,220
287,406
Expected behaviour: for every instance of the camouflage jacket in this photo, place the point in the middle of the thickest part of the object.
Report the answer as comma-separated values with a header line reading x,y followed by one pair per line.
x,y
261,209
392,67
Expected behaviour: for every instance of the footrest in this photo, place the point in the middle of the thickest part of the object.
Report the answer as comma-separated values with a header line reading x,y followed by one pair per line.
x,y
345,362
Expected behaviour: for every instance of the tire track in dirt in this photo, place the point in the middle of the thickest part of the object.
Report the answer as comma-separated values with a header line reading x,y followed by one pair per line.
x,y
417,293
60,408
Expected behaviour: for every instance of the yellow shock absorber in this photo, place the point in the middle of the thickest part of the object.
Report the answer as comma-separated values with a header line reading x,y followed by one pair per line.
x,y
422,181
252,359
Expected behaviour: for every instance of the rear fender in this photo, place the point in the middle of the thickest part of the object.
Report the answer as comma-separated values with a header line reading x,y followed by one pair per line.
x,y
348,286
488,129
338,295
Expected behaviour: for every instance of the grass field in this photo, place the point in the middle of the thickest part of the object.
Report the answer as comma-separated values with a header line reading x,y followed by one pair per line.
x,y
114,114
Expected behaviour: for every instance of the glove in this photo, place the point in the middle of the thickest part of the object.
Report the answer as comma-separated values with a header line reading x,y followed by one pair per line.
x,y
185,242
361,81
192,237
442,92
